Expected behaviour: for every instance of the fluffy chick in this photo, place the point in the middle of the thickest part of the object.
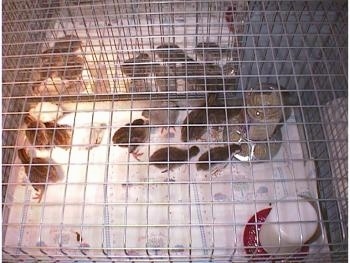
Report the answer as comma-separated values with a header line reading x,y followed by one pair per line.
x,y
60,135
200,76
67,44
171,157
131,136
207,77
165,78
50,64
162,116
137,66
36,132
194,125
193,128
66,66
39,171
210,51
73,67
217,155
172,53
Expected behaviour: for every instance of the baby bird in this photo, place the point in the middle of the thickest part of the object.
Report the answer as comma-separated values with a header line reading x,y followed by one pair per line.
x,y
165,78
171,157
220,115
39,171
139,85
137,66
50,64
60,135
162,116
216,156
36,132
67,44
46,134
207,77
192,130
201,76
60,65
194,125
210,51
73,67
131,136
172,53
207,50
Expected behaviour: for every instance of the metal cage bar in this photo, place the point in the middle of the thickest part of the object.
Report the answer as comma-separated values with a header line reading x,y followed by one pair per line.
x,y
75,73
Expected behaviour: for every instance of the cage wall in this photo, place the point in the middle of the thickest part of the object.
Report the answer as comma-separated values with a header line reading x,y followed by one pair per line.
x,y
201,56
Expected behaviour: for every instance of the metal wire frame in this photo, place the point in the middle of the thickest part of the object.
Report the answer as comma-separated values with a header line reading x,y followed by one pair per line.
x,y
299,45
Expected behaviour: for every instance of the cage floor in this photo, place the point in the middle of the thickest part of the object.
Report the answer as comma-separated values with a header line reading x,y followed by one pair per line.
x,y
110,206
111,203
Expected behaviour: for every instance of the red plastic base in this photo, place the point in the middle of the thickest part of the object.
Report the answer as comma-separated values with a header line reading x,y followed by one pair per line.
x,y
250,238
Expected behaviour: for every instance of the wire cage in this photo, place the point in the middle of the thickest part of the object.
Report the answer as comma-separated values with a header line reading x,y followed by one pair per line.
x,y
175,131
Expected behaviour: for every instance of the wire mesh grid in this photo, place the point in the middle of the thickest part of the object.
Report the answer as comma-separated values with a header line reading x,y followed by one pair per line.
x,y
175,131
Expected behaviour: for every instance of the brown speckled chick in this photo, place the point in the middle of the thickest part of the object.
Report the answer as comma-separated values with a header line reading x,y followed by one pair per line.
x,y
66,44
193,128
73,67
137,66
131,136
66,66
165,78
39,171
51,63
201,76
45,135
171,157
216,156
60,135
36,132
172,53
210,51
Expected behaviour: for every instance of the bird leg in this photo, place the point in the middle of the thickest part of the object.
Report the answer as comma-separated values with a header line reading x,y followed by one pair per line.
x,y
136,154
